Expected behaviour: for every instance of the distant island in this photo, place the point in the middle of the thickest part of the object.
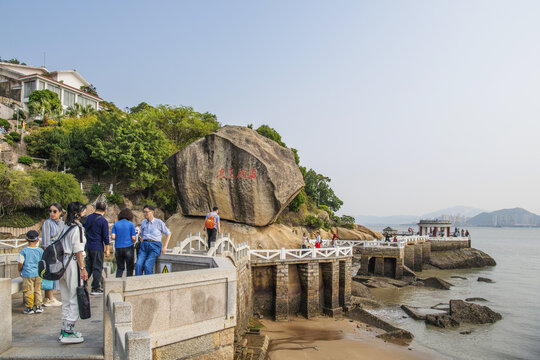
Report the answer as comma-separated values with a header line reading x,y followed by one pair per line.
x,y
462,216
516,217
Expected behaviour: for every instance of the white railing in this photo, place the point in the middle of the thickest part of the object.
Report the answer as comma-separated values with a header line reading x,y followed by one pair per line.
x,y
14,243
295,254
449,238
223,246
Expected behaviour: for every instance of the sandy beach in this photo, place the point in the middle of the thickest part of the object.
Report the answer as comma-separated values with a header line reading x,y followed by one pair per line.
x,y
331,339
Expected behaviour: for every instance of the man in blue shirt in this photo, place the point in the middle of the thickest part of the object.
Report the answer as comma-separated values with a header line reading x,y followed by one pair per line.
x,y
151,231
97,243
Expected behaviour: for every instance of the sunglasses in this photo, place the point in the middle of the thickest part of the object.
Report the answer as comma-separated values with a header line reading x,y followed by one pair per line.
x,y
53,211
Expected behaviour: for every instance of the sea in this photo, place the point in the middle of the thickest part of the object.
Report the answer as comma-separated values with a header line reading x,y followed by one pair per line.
x,y
514,293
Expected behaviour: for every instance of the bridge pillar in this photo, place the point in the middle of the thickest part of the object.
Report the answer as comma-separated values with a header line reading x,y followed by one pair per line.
x,y
364,265
282,291
409,256
330,273
379,266
399,268
417,257
345,280
426,251
309,278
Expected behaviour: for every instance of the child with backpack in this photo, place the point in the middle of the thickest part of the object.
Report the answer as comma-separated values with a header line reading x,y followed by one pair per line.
x,y
28,268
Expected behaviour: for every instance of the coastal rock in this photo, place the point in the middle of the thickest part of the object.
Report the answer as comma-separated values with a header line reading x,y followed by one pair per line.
x,y
365,303
400,336
472,313
411,311
441,320
360,290
458,277
460,259
483,279
475,299
249,177
437,283
360,233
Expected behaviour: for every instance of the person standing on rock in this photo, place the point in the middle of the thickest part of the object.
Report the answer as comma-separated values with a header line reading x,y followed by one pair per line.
x,y
51,230
212,225
97,237
152,230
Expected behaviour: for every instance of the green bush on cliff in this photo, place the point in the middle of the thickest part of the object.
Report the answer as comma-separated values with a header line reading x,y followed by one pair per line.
x,y
56,187
16,190
297,202
96,190
313,221
115,198
26,160
5,124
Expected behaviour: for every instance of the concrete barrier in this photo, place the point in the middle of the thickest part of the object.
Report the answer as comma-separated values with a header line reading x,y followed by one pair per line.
x,y
5,314
186,313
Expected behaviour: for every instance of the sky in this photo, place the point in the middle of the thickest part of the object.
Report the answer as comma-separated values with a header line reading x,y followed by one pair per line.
x,y
408,106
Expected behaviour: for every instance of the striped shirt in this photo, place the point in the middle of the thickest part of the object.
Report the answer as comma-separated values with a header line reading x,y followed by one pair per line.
x,y
51,230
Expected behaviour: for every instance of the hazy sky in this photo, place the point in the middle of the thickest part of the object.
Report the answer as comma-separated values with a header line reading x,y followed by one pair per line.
x,y
408,106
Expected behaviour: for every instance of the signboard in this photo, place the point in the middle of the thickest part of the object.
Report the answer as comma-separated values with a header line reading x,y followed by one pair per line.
x,y
165,268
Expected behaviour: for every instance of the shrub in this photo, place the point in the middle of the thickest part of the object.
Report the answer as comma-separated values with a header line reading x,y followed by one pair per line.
x,y
15,136
296,203
26,160
96,190
56,187
115,198
19,219
16,191
313,221
5,124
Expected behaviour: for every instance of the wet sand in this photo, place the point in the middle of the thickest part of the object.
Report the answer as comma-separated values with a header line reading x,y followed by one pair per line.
x,y
331,339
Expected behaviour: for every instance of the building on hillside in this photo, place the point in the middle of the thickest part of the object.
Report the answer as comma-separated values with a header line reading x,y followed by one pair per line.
x,y
18,81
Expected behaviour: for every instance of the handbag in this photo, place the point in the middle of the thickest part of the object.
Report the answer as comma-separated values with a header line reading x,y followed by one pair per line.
x,y
83,298
47,284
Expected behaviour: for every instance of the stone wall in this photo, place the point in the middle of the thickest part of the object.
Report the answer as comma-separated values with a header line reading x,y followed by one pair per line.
x,y
244,298
385,261
214,346
192,311
8,266
442,245
294,290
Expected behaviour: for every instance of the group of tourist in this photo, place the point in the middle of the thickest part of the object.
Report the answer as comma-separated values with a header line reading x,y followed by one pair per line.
x,y
86,240
318,241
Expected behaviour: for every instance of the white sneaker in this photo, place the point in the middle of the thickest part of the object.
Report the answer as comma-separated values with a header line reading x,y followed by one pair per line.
x,y
52,302
70,338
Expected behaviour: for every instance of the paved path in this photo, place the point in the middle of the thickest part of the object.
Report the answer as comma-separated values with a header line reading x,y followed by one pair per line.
x,y
36,336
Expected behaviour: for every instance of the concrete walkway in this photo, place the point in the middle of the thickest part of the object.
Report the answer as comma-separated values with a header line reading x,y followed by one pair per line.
x,y
36,336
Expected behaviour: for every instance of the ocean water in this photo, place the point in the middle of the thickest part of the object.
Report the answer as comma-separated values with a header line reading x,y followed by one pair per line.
x,y
515,293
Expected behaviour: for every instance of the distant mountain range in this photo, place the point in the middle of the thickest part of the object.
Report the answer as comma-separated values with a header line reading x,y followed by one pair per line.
x,y
461,216
506,217
457,214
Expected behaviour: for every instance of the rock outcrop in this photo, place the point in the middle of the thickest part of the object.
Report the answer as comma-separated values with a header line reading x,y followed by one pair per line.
x,y
249,177
460,259
437,283
472,313
441,320
274,236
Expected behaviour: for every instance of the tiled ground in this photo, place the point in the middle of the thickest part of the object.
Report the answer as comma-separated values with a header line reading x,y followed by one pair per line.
x,y
36,336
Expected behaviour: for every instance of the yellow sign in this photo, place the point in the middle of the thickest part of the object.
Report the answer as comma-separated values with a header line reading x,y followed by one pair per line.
x,y
165,270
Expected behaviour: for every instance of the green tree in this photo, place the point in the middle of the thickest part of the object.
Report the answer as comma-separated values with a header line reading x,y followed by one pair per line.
x,y
56,187
109,107
90,89
13,61
270,133
50,143
44,102
16,190
141,107
134,150
78,110
182,125
297,202
317,187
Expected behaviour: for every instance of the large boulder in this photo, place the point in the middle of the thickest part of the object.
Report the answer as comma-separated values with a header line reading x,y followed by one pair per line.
x,y
460,259
249,177
472,313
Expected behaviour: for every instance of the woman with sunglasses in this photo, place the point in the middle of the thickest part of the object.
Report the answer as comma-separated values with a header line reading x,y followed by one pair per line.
x,y
51,230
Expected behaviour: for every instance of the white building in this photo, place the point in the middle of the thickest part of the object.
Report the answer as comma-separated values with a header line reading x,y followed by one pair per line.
x,y
18,81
